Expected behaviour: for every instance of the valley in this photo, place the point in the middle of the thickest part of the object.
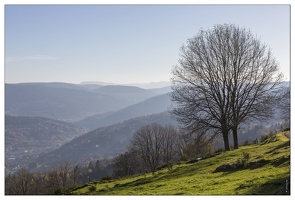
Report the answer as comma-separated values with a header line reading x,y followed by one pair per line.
x,y
41,121
39,132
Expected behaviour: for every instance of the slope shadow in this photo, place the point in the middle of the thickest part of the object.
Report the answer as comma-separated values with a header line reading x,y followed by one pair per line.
x,y
285,144
279,186
227,169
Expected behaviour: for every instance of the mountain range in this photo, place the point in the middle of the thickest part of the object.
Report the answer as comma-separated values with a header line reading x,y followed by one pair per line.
x,y
39,116
50,122
69,102
151,85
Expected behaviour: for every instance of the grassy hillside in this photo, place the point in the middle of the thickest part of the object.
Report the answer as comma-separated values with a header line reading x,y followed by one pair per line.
x,y
267,171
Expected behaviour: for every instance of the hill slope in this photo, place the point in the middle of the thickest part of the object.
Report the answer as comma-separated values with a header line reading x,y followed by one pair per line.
x,y
150,106
103,142
267,173
27,137
130,94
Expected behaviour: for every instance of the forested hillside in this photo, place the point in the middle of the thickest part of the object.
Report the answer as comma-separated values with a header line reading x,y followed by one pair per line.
x,y
28,137
153,105
104,142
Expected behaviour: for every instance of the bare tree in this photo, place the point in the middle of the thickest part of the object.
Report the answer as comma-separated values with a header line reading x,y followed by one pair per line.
x,y
52,179
169,143
39,183
253,76
64,174
21,183
75,174
192,145
151,146
128,163
148,143
225,77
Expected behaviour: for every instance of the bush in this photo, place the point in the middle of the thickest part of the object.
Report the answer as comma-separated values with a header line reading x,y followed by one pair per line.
x,y
184,157
92,188
246,156
247,142
167,165
106,178
265,137
219,150
244,161
106,188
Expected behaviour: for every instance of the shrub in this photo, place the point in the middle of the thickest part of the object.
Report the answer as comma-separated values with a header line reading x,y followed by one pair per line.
x,y
219,150
247,142
92,188
265,137
246,156
106,178
167,165
184,157
244,161
105,189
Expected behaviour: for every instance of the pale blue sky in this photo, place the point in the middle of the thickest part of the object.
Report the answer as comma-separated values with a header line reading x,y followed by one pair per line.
x,y
123,43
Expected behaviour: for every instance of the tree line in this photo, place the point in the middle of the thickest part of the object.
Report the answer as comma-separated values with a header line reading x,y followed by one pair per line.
x,y
154,146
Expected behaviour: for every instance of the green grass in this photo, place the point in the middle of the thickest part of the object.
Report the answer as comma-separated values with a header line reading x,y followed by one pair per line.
x,y
267,174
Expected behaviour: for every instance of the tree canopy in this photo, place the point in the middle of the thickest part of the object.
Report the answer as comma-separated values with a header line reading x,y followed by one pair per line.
x,y
225,77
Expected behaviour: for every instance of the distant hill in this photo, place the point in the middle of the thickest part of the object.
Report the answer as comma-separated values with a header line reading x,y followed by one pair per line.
x,y
130,94
96,83
151,85
162,90
103,142
67,104
150,106
91,86
56,84
27,137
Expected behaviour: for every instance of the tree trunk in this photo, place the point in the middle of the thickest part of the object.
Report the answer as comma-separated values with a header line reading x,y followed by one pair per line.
x,y
235,137
225,141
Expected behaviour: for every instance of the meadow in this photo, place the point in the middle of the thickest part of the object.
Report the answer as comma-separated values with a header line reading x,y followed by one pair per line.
x,y
256,169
